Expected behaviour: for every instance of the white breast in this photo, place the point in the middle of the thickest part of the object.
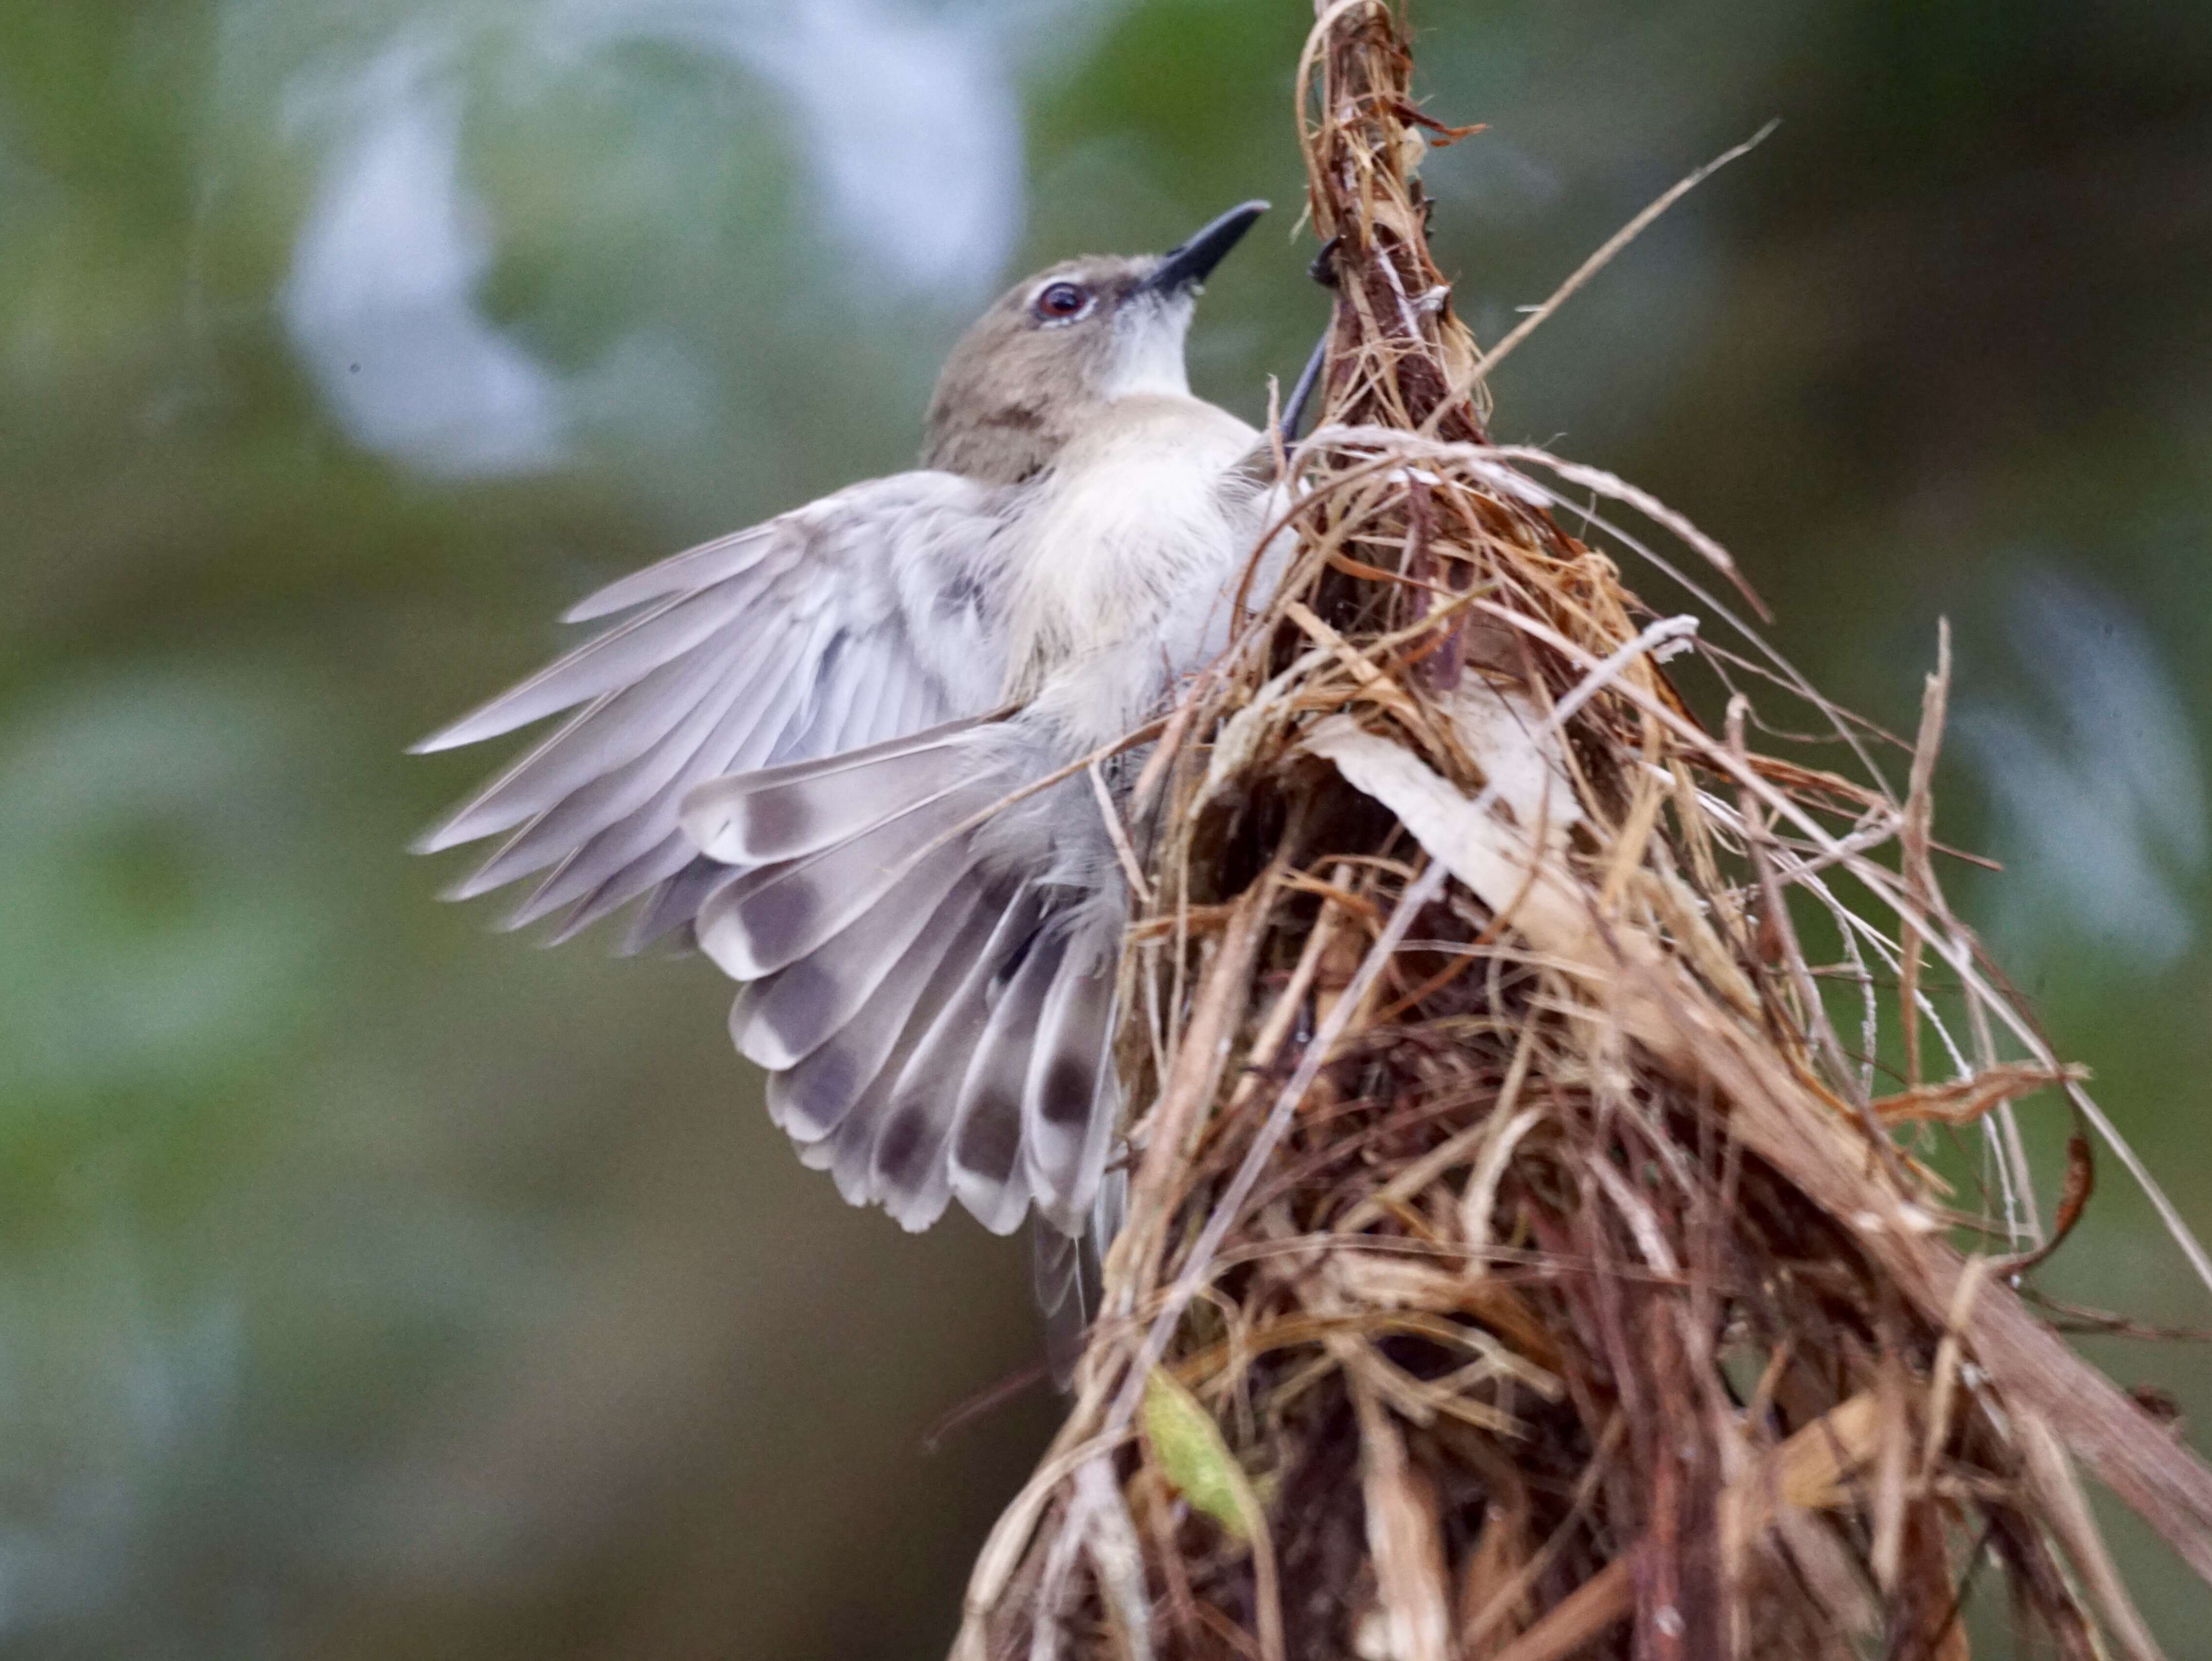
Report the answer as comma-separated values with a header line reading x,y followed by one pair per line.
x,y
1118,569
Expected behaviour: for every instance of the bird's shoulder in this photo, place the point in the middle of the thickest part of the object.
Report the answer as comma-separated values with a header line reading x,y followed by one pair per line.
x,y
897,513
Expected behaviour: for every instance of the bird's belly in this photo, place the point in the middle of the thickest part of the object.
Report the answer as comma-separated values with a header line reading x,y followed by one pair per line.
x,y
1138,594
1126,574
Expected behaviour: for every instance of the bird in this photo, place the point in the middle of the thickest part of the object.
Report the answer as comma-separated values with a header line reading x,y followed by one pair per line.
x,y
838,751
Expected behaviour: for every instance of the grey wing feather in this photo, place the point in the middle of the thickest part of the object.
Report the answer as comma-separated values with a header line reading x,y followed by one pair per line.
x,y
909,1171
816,1093
988,1170
792,1012
693,569
890,1037
658,718
619,658
675,902
777,914
1067,1108
785,748
980,1073
641,847
571,798
793,640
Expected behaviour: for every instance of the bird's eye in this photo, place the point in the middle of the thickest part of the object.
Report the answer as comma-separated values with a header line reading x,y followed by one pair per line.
x,y
1056,302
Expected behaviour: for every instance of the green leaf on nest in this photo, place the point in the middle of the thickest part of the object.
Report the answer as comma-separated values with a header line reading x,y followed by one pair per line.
x,y
1187,1446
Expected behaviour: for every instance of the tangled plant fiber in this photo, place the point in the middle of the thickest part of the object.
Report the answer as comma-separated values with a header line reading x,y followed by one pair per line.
x,y
1530,1250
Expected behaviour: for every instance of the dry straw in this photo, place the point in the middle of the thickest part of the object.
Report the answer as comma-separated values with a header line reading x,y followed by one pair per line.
x,y
1530,1250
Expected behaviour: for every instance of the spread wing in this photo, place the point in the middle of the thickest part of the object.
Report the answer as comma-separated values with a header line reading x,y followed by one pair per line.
x,y
855,619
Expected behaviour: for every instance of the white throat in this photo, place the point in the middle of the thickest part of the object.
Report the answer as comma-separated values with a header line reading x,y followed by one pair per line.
x,y
1121,557
1148,353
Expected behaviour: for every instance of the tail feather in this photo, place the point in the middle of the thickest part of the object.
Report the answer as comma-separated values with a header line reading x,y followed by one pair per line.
x,y
793,818
850,1154
1057,1262
909,1158
927,1090
917,1200
817,1094
786,1015
987,1169
780,913
1064,1121
1055,1269
844,1155
1110,1208
935,1027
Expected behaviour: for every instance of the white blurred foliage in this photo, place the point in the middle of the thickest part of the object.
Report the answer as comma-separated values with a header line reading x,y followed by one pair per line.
x,y
381,299
909,118
2099,794
910,123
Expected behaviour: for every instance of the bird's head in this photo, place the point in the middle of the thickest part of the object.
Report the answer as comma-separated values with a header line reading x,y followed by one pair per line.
x,y
1059,345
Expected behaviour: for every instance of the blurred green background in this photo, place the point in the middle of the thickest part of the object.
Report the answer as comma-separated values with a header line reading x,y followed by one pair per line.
x,y
375,1284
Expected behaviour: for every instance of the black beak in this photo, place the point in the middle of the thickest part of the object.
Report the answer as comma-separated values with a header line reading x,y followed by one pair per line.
x,y
1186,267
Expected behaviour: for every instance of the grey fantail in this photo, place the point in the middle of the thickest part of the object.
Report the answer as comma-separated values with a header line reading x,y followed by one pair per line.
x,y
792,745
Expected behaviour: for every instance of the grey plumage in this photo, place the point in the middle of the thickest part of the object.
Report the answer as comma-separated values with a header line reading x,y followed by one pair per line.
x,y
800,747
794,639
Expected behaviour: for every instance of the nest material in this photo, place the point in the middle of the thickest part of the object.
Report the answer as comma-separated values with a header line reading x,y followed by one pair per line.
x,y
1528,1251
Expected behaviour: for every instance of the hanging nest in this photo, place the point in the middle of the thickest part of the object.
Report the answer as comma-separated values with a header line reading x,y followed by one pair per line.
x,y
1530,1249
